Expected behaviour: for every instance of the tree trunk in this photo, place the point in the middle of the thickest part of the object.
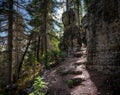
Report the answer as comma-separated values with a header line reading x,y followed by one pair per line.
x,y
10,37
67,5
78,9
38,48
17,48
45,30
41,46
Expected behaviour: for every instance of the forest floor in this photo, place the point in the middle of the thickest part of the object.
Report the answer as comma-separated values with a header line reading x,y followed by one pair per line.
x,y
71,77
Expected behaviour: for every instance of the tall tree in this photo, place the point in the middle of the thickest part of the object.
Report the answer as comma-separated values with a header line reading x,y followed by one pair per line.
x,y
78,11
42,18
67,5
18,43
45,29
10,37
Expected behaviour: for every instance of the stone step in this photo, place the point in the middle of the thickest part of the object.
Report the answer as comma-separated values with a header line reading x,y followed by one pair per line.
x,y
78,93
79,63
77,54
65,71
58,91
72,72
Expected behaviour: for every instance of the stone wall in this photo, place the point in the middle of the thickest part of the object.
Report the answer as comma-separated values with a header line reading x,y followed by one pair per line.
x,y
102,23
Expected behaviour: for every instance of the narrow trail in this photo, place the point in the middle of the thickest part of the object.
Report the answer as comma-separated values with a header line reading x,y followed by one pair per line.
x,y
71,77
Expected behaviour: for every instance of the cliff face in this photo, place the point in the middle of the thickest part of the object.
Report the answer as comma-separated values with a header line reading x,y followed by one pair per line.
x,y
102,23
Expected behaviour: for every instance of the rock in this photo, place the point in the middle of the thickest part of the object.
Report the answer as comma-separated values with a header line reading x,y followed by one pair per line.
x,y
112,83
72,35
66,71
58,91
102,23
79,63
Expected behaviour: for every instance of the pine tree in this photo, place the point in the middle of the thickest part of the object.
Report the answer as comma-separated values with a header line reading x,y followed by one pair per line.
x,y
10,45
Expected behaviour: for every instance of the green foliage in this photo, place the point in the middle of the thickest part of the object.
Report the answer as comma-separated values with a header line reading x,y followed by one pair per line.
x,y
70,83
30,60
39,87
86,2
54,57
74,82
32,57
58,53
55,43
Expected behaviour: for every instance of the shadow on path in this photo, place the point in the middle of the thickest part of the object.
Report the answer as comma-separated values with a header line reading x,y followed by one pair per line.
x,y
72,78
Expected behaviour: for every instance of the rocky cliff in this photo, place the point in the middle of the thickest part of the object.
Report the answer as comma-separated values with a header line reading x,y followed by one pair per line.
x,y
102,23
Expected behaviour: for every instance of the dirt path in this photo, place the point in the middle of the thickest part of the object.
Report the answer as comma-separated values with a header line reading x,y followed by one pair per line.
x,y
72,78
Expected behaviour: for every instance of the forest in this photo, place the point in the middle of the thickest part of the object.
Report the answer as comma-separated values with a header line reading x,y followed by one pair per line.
x,y
59,47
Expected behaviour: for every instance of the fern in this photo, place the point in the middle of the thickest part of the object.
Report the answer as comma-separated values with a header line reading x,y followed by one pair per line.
x,y
39,85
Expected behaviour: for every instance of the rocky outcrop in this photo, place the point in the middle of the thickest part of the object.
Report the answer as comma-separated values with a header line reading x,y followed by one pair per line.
x,y
71,36
102,23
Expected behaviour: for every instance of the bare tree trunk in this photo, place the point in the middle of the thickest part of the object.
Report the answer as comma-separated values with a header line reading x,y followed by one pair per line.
x,y
10,37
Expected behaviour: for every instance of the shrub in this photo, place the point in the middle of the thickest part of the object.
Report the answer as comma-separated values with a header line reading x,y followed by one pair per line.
x,y
39,86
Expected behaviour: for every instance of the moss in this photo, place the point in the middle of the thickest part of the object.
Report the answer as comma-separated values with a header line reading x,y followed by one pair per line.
x,y
70,83
74,82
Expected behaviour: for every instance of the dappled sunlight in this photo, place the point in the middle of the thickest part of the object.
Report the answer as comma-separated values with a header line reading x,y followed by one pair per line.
x,y
88,86
72,45
73,76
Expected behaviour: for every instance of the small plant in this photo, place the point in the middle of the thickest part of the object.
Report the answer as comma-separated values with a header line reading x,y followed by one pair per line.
x,y
70,83
39,86
75,82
